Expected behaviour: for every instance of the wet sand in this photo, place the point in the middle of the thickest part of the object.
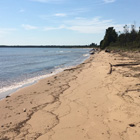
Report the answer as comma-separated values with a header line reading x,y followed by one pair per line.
x,y
90,101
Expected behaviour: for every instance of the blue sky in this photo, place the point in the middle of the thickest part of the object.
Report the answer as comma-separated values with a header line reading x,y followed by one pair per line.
x,y
63,22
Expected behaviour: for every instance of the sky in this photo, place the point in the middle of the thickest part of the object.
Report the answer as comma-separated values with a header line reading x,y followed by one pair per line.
x,y
63,22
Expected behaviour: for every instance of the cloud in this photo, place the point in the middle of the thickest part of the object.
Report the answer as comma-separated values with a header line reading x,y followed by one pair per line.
x,y
79,11
48,1
94,25
60,15
5,31
109,1
54,28
88,26
21,10
53,16
29,27
68,13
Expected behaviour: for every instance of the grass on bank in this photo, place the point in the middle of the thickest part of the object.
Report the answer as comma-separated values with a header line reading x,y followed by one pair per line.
x,y
122,48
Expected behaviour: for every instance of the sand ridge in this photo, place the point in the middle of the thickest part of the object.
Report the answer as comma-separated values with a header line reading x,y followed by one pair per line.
x,y
80,103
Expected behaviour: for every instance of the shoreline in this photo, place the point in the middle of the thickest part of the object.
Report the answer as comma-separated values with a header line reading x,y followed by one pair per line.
x,y
84,102
25,105
10,90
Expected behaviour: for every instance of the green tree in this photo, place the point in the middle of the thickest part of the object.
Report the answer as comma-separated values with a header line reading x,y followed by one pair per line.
x,y
110,36
133,34
93,45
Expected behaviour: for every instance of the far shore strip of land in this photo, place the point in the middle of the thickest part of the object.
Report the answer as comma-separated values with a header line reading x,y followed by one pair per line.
x,y
98,100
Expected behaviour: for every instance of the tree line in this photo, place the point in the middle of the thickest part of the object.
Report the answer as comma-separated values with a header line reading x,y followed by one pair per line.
x,y
127,39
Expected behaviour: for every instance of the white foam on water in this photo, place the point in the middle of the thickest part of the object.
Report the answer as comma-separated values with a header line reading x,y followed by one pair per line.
x,y
86,55
10,89
61,51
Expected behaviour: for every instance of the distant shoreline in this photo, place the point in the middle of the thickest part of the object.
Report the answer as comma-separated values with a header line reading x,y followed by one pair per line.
x,y
45,46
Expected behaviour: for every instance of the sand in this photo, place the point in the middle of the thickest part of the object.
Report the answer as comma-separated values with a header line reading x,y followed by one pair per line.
x,y
81,103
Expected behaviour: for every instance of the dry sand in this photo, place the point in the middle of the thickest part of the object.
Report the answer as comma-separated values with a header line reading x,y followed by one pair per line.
x,y
81,103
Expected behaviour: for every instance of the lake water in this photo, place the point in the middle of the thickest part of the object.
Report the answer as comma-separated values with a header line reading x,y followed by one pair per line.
x,y
22,66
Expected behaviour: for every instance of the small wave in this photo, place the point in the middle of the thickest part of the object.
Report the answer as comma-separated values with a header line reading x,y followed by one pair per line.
x,y
60,66
86,55
10,89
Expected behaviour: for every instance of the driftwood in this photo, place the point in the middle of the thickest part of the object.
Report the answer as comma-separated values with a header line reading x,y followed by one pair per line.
x,y
71,69
107,51
121,65
110,70
7,96
126,64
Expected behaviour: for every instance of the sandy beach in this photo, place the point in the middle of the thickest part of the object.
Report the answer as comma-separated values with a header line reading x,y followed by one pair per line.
x,y
98,100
